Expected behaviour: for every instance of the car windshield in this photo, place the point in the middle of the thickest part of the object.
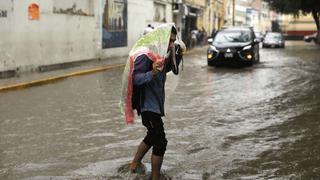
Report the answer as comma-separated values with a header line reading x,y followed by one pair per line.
x,y
273,36
233,37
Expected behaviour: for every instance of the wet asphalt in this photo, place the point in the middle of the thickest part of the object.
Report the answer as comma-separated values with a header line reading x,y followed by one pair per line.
x,y
259,122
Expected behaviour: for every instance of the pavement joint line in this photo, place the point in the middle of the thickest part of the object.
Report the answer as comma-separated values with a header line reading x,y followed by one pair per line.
x,y
57,78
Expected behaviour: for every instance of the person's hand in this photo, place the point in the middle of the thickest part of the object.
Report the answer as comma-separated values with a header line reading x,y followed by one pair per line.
x,y
156,67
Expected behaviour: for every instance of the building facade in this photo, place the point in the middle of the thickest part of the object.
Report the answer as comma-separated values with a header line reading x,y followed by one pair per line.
x,y
188,15
47,32
52,32
297,27
202,15
254,13
40,33
235,12
258,15
215,15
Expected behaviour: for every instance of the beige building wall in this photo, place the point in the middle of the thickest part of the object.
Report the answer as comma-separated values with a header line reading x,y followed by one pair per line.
x,y
201,3
219,11
265,24
214,15
299,25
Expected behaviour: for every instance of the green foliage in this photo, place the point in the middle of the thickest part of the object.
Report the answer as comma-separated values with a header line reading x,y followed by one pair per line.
x,y
294,6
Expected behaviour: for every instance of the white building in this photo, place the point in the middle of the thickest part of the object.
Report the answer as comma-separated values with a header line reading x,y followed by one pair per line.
x,y
258,16
240,11
255,13
37,33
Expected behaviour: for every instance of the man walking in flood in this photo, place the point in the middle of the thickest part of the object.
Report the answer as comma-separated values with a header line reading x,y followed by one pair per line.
x,y
149,77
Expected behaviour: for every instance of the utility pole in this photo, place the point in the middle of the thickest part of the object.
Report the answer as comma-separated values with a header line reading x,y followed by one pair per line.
x,y
233,11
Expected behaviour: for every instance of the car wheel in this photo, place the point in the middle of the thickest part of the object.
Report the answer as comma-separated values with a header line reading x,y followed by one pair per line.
x,y
210,64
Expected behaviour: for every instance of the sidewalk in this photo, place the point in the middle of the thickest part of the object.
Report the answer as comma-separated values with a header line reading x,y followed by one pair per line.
x,y
30,79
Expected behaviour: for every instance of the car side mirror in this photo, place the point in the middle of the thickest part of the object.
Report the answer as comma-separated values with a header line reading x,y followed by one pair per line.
x,y
210,40
257,40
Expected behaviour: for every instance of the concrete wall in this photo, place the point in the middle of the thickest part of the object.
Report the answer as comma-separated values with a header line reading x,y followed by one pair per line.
x,y
67,31
54,38
6,45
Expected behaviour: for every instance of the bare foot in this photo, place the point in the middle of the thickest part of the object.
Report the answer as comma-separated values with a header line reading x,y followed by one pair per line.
x,y
134,166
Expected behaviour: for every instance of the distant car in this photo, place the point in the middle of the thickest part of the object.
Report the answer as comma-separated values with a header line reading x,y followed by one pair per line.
x,y
233,45
310,38
273,39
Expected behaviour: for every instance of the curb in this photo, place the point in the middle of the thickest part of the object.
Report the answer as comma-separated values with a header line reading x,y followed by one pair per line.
x,y
57,78
40,82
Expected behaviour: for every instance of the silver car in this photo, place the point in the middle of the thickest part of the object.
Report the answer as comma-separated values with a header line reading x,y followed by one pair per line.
x,y
273,39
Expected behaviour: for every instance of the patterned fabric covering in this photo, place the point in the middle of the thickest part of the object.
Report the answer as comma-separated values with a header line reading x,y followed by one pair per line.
x,y
155,46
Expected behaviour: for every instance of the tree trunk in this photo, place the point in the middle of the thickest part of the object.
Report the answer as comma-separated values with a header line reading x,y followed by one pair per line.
x,y
316,18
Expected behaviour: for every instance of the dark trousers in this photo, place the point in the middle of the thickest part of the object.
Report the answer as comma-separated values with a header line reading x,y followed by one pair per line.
x,y
156,136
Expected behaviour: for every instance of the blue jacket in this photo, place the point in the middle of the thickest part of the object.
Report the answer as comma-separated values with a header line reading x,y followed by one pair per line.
x,y
152,95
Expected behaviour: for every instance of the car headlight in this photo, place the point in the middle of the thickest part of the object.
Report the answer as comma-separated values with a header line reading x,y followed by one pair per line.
x,y
246,55
249,56
212,55
247,47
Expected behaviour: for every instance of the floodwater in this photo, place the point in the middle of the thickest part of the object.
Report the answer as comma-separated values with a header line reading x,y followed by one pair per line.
x,y
260,122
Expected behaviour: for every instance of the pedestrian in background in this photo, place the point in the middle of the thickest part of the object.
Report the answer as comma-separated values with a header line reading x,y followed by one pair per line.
x,y
148,29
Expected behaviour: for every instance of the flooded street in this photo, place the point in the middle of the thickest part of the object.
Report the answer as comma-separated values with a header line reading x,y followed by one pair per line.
x,y
256,122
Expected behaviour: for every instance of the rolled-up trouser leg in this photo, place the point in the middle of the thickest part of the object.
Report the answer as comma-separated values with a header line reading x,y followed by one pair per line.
x,y
156,136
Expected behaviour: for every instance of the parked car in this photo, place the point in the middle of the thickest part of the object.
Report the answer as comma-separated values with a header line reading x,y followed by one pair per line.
x,y
273,39
233,45
311,37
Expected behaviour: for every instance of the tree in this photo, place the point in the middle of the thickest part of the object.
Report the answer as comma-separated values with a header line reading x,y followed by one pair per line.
x,y
296,7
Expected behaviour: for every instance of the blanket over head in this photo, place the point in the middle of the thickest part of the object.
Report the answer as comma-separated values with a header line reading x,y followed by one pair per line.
x,y
155,46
